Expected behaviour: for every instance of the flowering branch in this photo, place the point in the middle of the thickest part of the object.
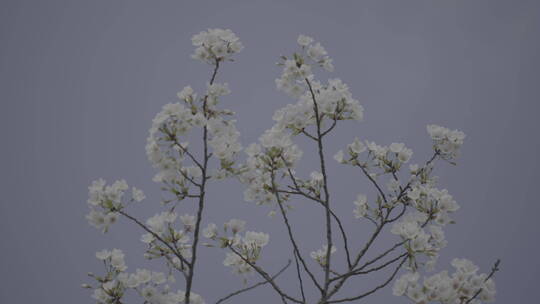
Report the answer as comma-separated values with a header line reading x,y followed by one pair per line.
x,y
189,280
494,269
167,244
417,211
266,276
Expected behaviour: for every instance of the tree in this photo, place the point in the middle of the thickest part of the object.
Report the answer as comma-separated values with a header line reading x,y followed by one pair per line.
x,y
412,206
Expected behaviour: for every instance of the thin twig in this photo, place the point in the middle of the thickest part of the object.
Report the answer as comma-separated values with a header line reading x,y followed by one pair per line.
x,y
232,294
338,221
265,275
299,274
394,273
289,231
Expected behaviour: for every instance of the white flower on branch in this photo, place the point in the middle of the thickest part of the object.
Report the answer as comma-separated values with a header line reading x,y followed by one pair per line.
x,y
361,207
415,208
215,44
320,255
211,231
446,141
235,225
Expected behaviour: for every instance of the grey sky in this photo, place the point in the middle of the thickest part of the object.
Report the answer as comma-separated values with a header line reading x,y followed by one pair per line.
x,y
81,81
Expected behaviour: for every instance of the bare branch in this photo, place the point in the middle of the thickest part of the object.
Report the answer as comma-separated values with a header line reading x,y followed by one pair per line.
x,y
266,276
300,281
394,273
232,294
289,231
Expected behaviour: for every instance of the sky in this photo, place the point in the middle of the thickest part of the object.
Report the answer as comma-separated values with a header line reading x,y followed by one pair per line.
x,y
82,80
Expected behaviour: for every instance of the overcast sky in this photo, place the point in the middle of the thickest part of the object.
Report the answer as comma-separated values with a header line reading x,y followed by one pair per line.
x,y
82,80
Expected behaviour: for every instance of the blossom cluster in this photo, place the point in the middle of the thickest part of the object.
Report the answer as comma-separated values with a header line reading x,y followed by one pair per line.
x,y
150,285
333,99
418,242
443,288
163,148
446,141
334,102
169,154
297,69
162,226
215,45
431,205
275,151
245,250
387,158
317,103
106,200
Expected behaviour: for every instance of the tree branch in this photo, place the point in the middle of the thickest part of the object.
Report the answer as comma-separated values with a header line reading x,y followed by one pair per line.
x,y
265,275
494,269
202,187
394,273
289,231
232,294
326,192
143,226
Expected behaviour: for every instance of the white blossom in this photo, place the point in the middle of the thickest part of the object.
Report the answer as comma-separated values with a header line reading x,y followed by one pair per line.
x,y
256,239
361,206
235,225
320,254
137,194
446,141
357,146
339,157
215,44
103,254
304,40
189,221
210,231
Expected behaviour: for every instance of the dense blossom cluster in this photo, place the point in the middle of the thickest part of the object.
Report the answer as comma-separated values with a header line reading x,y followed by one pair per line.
x,y
215,44
245,250
162,226
106,200
166,151
388,158
419,242
443,288
334,101
446,141
298,69
275,151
